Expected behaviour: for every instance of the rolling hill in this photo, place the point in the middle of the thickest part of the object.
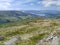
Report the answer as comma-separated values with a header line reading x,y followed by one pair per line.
x,y
45,13
13,16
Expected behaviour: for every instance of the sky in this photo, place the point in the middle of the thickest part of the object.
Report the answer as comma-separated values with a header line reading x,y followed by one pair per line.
x,y
29,4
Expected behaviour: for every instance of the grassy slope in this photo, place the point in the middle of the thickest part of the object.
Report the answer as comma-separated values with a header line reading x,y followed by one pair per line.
x,y
38,28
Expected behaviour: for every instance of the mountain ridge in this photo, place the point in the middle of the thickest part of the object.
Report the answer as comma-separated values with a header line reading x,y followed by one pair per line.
x,y
13,16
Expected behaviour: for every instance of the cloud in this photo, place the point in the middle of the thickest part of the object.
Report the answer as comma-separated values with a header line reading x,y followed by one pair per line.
x,y
14,4
5,4
32,4
39,2
27,4
48,3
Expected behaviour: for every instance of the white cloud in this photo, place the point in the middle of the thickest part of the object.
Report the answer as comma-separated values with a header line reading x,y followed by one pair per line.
x,y
19,4
39,2
49,3
5,4
32,4
28,1
58,3
25,1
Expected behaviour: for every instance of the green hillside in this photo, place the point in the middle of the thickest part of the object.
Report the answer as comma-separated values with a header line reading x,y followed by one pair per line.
x,y
14,16
30,32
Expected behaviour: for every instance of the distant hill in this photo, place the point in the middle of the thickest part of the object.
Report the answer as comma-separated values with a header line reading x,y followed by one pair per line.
x,y
12,16
45,13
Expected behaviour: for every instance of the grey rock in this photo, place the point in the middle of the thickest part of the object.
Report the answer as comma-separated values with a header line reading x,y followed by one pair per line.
x,y
12,41
2,38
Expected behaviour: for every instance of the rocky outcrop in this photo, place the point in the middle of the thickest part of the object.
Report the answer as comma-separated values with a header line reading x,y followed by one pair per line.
x,y
12,41
2,38
53,39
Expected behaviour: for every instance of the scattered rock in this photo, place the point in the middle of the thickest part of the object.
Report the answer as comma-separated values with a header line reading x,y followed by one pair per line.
x,y
12,41
2,38
55,41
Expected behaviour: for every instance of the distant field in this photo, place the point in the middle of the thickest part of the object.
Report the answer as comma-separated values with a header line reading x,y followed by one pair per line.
x,y
30,31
